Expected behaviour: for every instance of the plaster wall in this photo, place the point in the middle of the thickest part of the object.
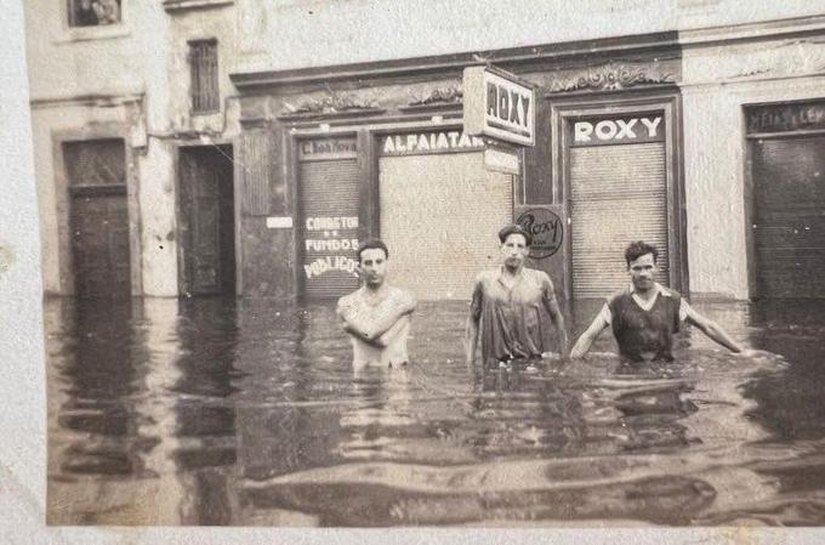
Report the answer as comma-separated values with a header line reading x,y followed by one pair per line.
x,y
286,34
52,125
718,82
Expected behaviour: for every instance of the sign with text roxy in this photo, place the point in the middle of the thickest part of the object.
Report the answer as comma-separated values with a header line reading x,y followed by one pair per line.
x,y
499,105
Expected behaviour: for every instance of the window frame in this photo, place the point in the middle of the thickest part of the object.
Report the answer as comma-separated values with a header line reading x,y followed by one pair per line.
x,y
193,79
93,32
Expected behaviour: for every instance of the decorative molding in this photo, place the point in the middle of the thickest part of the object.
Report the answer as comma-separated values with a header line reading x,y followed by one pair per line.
x,y
452,94
327,116
179,5
610,77
100,100
331,103
519,60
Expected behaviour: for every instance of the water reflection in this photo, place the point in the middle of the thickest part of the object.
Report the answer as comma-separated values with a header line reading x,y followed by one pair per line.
x,y
217,411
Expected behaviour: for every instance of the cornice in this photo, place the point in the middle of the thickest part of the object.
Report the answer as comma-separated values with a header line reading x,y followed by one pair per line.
x,y
101,100
753,32
520,60
172,6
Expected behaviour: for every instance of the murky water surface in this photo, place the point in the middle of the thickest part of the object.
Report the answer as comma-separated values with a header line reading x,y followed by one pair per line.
x,y
229,412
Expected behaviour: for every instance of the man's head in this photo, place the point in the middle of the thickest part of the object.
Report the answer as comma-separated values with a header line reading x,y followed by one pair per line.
x,y
515,245
372,262
641,264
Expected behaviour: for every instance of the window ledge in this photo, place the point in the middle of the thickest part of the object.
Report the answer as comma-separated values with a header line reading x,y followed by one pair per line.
x,y
102,32
179,5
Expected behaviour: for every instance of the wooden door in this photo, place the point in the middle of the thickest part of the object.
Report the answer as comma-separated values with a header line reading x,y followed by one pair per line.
x,y
207,220
98,218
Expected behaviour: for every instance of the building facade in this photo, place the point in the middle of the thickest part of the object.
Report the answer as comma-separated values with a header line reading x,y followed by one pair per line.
x,y
251,146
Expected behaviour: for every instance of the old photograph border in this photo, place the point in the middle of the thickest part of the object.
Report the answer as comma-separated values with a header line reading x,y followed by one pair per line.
x,y
23,417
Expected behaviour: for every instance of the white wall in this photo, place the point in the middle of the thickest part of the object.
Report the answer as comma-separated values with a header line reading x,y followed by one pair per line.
x,y
284,34
718,80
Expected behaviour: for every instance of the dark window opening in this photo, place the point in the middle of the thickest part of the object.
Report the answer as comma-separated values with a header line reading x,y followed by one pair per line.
x,y
84,13
203,62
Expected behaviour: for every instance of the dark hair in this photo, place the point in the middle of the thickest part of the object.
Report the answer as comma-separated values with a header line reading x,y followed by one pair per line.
x,y
373,243
515,229
637,249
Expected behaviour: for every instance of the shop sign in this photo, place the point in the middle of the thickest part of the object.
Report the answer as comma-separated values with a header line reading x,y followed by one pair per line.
x,y
327,148
329,263
419,143
547,230
787,117
502,161
333,237
500,105
619,130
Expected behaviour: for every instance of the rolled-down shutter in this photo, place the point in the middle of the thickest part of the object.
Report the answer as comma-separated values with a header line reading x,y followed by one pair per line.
x,y
440,215
618,195
789,224
329,192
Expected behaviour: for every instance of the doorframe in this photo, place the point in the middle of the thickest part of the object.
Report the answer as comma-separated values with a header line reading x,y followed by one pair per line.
x,y
236,209
749,182
90,133
669,102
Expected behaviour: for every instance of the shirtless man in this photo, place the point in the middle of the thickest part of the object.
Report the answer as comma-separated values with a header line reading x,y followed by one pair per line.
x,y
377,315
645,316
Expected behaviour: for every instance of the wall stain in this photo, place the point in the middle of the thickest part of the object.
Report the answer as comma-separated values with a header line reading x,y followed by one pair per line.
x,y
6,258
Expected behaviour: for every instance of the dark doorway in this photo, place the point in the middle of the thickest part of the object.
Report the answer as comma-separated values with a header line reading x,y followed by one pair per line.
x,y
207,220
98,217
789,220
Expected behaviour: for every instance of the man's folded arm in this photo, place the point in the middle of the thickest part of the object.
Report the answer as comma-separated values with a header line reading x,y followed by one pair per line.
x,y
371,325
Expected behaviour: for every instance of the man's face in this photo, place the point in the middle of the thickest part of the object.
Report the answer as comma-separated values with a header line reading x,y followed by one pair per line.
x,y
641,271
373,266
514,251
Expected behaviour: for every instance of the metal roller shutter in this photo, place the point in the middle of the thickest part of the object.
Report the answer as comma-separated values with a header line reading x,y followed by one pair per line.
x,y
789,223
329,192
440,215
618,195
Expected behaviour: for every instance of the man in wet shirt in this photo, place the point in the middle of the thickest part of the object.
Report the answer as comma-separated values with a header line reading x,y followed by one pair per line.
x,y
376,316
645,316
514,308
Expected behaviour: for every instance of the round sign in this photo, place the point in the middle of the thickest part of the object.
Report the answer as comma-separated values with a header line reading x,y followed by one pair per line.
x,y
547,230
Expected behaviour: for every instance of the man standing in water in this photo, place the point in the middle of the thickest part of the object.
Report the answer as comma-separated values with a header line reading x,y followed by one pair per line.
x,y
645,316
377,315
512,308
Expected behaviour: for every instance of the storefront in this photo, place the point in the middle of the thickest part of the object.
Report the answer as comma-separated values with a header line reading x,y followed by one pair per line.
x,y
618,166
440,210
380,150
437,209
786,198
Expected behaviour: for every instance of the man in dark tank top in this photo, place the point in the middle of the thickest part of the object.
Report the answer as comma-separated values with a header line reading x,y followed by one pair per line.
x,y
645,316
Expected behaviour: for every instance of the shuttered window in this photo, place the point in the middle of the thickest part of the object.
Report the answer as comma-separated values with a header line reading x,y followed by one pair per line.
x,y
329,199
440,215
203,63
789,220
618,195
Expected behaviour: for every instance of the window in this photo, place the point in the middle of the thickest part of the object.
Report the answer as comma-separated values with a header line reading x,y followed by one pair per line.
x,y
86,13
203,62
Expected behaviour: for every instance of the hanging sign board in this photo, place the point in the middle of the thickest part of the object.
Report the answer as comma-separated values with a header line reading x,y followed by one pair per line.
x,y
499,105
499,160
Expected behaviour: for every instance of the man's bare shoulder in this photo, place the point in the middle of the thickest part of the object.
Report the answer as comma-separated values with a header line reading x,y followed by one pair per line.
x,y
401,296
349,300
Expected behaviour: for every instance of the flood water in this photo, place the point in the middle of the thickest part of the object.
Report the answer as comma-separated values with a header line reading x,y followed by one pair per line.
x,y
225,412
